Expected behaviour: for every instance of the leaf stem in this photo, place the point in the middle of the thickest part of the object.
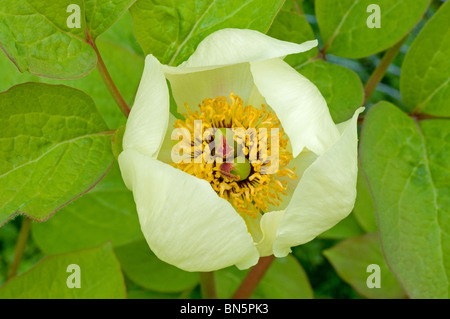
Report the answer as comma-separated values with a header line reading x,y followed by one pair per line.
x,y
381,69
253,278
20,246
208,285
118,98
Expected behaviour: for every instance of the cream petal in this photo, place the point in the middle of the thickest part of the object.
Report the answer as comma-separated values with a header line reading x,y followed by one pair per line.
x,y
217,69
301,108
193,88
149,116
183,220
298,165
266,226
253,226
325,195
232,46
269,225
256,99
167,144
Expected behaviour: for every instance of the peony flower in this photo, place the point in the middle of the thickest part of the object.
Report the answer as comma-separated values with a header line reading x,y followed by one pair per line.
x,y
203,216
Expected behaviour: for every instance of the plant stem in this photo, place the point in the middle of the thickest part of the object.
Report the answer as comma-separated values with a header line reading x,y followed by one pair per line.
x,y
108,80
253,278
208,285
381,69
297,8
20,246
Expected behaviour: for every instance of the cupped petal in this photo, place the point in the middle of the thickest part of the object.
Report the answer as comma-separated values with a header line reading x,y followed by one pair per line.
x,y
266,225
149,116
232,46
183,220
299,105
269,225
325,195
165,152
193,88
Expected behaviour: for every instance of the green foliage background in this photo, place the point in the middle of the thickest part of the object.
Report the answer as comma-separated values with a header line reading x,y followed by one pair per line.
x,y
58,138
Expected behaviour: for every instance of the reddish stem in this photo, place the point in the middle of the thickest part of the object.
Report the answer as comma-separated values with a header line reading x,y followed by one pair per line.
x,y
208,285
253,278
108,79
381,69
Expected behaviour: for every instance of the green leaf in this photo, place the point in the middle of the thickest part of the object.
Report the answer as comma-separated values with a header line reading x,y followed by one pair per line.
x,y
341,87
425,77
54,148
106,213
36,36
344,30
364,210
101,14
100,277
31,29
285,279
351,259
116,46
188,22
407,166
290,26
348,227
145,269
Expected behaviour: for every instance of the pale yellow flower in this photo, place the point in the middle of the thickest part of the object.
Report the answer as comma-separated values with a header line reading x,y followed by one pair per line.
x,y
185,217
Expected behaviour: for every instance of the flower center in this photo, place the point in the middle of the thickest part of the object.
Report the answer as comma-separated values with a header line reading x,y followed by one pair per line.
x,y
242,152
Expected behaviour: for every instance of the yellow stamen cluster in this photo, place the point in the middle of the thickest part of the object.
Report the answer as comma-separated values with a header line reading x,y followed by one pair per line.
x,y
253,194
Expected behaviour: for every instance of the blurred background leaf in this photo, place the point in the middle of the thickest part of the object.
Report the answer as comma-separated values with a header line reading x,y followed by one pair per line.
x,y
348,227
351,258
107,213
100,277
145,269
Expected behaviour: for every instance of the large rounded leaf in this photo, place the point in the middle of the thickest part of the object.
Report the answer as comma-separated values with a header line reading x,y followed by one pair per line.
x,y
425,78
55,146
407,166
345,31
